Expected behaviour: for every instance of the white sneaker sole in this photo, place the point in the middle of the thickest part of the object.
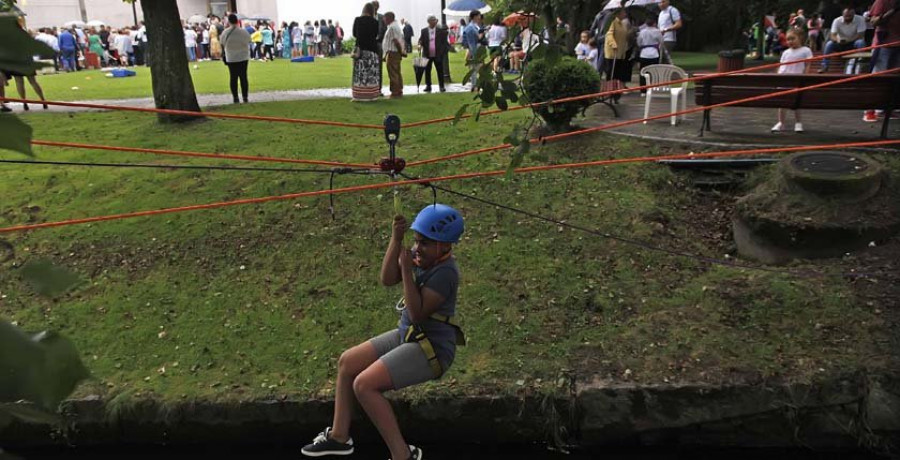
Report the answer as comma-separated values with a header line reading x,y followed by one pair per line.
x,y
326,452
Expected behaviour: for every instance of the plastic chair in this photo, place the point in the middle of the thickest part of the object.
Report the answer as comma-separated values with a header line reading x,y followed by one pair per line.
x,y
658,73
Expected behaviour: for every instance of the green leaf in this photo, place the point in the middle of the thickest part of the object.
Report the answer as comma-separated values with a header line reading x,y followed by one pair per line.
x,y
539,53
18,45
48,279
43,368
518,155
501,103
15,135
553,54
481,54
468,76
460,113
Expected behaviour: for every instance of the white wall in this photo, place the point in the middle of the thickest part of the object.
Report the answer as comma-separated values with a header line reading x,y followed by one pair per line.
x,y
116,13
345,11
50,13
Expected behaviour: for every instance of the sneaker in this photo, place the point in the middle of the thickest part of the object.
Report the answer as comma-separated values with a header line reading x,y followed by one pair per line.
x,y
323,445
778,127
415,453
870,116
798,128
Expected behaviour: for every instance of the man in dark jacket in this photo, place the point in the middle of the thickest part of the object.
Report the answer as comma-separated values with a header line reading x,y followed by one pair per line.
x,y
434,44
407,35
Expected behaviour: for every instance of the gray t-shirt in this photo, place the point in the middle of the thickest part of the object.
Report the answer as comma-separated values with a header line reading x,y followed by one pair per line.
x,y
443,279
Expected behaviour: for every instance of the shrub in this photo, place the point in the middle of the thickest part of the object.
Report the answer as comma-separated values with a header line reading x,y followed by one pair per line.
x,y
567,77
348,44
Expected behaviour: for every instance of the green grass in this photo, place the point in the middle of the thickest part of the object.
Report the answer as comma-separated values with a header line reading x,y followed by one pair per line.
x,y
279,75
211,77
259,301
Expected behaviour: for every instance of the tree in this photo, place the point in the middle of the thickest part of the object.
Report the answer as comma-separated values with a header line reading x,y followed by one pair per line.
x,y
173,87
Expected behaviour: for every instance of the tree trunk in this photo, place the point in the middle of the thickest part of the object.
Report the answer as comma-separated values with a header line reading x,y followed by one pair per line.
x,y
173,87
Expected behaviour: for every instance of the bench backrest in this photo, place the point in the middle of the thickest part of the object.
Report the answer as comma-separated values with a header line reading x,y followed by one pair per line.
x,y
879,92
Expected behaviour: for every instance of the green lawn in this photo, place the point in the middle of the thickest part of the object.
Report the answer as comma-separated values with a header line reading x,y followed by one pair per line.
x,y
280,75
258,301
211,77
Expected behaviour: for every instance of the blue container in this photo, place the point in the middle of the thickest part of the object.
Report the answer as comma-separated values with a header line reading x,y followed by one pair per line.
x,y
119,73
304,59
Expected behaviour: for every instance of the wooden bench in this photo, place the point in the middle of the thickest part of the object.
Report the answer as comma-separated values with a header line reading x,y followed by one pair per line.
x,y
879,92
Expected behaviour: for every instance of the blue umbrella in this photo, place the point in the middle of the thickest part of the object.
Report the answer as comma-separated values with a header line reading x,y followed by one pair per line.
x,y
464,7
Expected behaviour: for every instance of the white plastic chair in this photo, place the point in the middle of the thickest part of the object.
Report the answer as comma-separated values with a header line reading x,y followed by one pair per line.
x,y
658,73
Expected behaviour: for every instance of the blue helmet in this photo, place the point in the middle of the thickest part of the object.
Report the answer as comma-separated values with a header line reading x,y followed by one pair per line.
x,y
439,222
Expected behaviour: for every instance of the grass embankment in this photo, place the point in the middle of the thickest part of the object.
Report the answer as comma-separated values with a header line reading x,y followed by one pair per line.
x,y
211,77
258,301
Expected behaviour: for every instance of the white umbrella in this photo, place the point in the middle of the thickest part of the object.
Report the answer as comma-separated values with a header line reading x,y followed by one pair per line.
x,y
78,24
613,4
96,23
464,7
197,19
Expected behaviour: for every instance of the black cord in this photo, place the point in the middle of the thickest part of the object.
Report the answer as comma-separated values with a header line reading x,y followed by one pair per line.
x,y
641,244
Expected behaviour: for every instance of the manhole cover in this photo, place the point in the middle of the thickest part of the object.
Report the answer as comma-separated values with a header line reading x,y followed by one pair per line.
x,y
829,163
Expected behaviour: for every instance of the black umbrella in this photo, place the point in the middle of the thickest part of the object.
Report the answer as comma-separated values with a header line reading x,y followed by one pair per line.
x,y
419,65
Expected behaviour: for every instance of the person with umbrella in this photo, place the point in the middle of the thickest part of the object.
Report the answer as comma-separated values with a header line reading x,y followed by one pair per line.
x,y
472,36
434,43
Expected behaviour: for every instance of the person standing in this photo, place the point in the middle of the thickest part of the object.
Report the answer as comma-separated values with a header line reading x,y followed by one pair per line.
x,y
124,47
649,42
68,47
96,46
394,51
286,40
669,23
268,42
145,51
236,42
50,40
496,35
408,34
615,50
309,32
434,43
789,65
215,46
366,63
472,36
885,15
332,39
204,41
338,39
190,43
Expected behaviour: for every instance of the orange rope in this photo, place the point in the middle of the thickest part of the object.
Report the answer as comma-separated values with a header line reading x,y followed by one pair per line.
x,y
188,113
654,85
435,179
655,117
196,154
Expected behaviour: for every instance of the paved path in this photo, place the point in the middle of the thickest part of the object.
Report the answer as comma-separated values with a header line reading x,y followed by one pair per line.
x,y
212,100
740,127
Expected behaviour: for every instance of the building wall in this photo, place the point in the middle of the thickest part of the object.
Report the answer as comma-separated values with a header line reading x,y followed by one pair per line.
x,y
260,8
116,13
345,11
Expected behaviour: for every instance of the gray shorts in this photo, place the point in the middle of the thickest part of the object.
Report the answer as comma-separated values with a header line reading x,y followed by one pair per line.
x,y
406,362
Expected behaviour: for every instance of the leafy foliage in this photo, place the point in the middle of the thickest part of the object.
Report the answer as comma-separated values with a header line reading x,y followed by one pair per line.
x,y
43,369
569,77
16,55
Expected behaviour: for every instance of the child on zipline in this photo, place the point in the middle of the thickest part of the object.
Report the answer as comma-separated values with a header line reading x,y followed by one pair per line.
x,y
422,348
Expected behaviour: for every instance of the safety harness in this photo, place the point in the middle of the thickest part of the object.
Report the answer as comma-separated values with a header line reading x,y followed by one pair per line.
x,y
415,333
